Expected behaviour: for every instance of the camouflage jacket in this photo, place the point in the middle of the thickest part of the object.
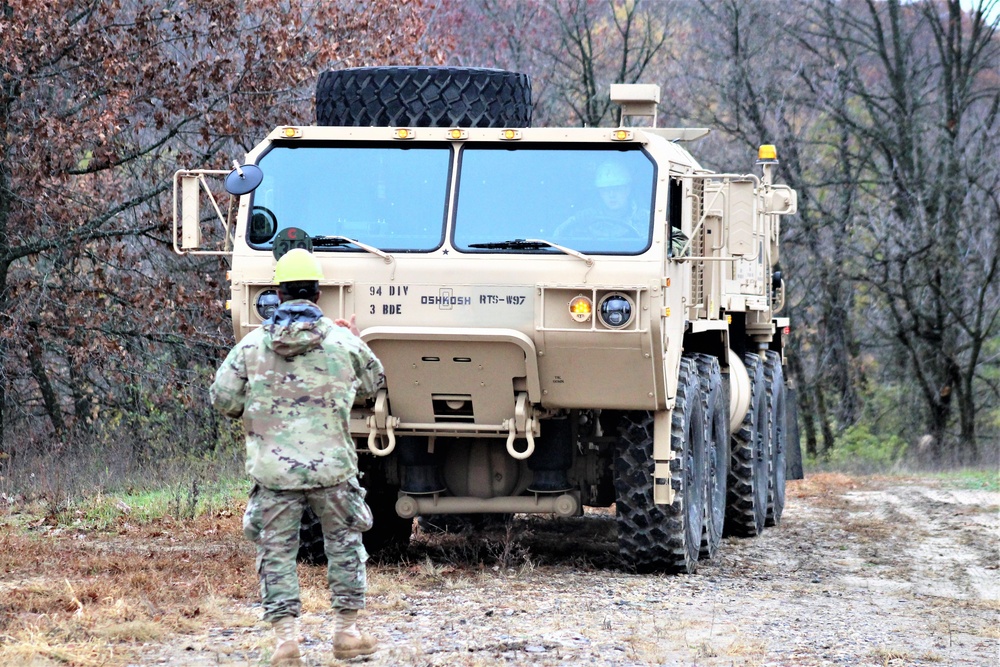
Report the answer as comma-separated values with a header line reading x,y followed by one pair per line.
x,y
294,381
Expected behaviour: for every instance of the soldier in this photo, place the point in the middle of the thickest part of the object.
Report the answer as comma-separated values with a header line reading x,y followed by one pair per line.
x,y
294,380
617,213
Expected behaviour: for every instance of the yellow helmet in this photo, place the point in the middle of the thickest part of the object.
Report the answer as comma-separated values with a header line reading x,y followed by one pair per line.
x,y
297,265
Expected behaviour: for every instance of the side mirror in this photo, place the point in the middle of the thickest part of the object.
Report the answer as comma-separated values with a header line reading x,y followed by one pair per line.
x,y
190,186
243,179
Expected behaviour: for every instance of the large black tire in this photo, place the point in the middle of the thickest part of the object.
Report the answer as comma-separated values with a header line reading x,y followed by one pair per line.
x,y
423,97
388,532
716,408
778,415
652,537
749,463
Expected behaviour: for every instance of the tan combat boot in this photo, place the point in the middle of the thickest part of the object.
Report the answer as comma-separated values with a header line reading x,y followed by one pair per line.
x,y
286,643
349,642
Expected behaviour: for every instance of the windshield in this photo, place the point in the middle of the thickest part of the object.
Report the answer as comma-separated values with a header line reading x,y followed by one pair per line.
x,y
389,197
593,201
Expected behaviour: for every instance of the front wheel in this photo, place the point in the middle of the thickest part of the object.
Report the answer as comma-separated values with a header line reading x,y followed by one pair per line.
x,y
654,537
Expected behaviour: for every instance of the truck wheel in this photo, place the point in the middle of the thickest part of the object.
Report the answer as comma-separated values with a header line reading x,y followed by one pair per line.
x,y
654,537
775,379
716,407
749,463
423,97
389,531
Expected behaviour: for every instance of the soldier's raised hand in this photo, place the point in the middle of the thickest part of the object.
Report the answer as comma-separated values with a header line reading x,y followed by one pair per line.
x,y
349,324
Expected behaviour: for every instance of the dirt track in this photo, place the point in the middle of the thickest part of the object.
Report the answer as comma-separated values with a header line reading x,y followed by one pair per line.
x,y
872,572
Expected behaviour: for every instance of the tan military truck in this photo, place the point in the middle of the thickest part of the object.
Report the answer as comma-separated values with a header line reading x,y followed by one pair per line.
x,y
568,317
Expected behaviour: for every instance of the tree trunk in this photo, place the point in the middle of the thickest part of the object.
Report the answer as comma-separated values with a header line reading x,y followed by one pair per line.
x,y
38,371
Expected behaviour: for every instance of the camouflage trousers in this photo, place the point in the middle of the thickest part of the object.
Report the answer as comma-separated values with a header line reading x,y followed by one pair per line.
x,y
272,520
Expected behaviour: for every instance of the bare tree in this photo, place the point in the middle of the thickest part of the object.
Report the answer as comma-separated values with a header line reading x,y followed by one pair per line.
x,y
921,104
747,82
99,103
885,113
573,49
600,43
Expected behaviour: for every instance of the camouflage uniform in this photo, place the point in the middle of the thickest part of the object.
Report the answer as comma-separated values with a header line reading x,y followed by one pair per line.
x,y
294,381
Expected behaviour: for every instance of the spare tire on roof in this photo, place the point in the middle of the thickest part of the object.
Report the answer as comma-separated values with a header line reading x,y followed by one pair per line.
x,y
423,97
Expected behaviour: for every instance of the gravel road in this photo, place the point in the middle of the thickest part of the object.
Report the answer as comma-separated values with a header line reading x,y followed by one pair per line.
x,y
879,572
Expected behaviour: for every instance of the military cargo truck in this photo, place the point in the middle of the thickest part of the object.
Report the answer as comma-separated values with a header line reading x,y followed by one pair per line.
x,y
568,317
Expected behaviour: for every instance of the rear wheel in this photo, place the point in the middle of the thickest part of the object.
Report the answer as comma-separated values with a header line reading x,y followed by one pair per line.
x,y
654,537
749,463
423,97
716,408
775,379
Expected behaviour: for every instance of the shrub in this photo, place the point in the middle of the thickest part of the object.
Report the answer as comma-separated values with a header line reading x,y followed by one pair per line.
x,y
857,448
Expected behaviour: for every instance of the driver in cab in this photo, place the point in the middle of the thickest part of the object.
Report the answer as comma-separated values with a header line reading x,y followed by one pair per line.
x,y
616,214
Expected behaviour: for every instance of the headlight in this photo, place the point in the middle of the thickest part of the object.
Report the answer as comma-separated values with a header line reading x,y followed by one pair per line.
x,y
267,302
615,311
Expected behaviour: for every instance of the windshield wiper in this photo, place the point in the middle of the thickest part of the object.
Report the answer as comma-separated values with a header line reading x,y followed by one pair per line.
x,y
513,244
532,244
335,241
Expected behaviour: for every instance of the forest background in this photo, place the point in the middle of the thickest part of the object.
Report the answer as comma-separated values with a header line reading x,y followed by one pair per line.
x,y
886,115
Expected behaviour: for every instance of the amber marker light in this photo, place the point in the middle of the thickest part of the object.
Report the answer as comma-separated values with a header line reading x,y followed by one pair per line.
x,y
767,153
291,132
622,135
457,134
510,135
403,133
581,308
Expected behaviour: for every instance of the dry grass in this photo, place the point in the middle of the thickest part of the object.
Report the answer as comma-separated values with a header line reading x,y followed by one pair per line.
x,y
891,656
80,598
